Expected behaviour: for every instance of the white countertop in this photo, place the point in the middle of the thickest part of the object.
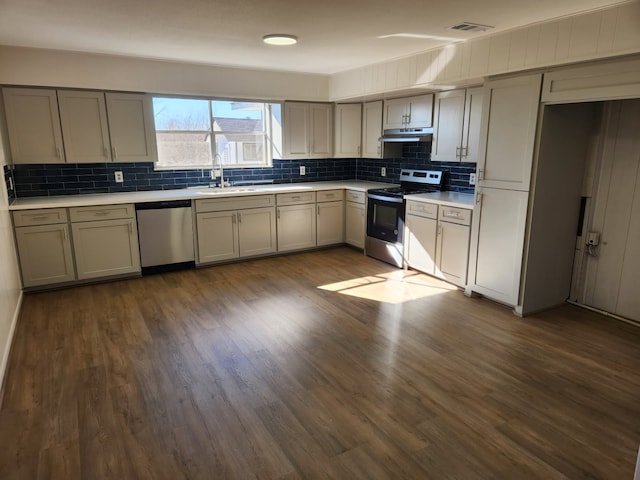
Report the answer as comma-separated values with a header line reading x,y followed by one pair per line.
x,y
452,199
185,194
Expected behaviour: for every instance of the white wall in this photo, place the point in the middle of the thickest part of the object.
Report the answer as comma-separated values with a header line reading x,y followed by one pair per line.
x,y
37,67
10,288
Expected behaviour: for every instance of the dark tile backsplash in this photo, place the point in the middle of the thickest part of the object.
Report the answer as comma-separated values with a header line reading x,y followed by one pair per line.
x,y
73,179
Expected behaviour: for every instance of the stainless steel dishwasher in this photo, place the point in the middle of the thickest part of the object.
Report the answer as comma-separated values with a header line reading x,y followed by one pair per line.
x,y
165,234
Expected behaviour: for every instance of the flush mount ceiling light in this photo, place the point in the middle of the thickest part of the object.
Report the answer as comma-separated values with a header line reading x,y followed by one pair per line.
x,y
280,39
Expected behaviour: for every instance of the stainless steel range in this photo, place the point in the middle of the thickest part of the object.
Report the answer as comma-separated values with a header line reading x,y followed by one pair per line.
x,y
386,211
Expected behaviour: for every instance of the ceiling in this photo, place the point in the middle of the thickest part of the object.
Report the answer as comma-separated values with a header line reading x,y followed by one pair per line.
x,y
335,35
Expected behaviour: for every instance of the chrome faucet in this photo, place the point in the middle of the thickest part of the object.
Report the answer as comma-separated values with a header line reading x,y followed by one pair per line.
x,y
218,158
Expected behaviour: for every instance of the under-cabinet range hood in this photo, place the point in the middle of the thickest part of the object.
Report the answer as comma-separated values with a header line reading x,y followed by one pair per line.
x,y
407,135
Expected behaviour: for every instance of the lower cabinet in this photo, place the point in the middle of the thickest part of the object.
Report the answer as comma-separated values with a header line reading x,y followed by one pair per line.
x,y
105,248
330,218
420,239
296,221
224,233
355,222
45,254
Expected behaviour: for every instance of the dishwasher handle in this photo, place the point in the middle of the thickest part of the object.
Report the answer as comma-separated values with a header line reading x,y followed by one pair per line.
x,y
166,204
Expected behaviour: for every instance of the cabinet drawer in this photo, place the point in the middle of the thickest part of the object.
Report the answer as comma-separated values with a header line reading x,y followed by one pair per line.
x,y
43,216
295,198
461,216
355,196
101,212
330,195
428,210
234,203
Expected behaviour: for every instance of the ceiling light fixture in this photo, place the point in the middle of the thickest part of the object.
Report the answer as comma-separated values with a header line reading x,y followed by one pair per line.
x,y
280,39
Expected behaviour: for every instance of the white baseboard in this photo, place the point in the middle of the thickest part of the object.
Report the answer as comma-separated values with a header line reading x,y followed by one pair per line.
x,y
7,347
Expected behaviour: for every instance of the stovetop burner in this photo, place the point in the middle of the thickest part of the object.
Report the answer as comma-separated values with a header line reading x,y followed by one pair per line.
x,y
414,182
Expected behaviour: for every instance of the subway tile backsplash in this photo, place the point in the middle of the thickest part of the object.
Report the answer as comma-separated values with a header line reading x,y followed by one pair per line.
x,y
73,179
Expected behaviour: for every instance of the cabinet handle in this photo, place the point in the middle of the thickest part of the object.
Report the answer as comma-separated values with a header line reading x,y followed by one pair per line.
x,y
478,198
318,210
100,214
233,219
451,214
64,233
378,149
439,230
480,174
40,217
278,214
239,217
130,228
297,197
458,152
464,152
358,149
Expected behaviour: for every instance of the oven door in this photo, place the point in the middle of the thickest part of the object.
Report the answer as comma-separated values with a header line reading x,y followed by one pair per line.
x,y
385,218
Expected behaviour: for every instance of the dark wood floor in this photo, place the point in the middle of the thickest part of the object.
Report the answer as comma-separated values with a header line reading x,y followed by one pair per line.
x,y
253,371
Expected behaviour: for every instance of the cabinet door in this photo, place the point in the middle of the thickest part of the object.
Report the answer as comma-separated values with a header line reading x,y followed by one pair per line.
x,y
33,123
330,223
507,138
45,254
257,231
355,224
296,130
420,111
448,123
472,124
106,248
348,130
321,125
132,129
83,116
420,245
396,113
296,227
497,244
217,236
372,129
453,252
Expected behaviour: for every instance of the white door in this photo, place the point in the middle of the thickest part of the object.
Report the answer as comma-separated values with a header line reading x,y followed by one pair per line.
x,y
296,130
106,248
257,231
131,127
355,224
217,236
321,125
396,113
45,254
453,252
507,139
330,223
472,125
448,123
372,129
296,227
348,130
33,123
420,243
612,279
421,111
83,116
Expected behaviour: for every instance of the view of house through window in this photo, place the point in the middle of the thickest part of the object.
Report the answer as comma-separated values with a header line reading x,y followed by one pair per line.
x,y
191,131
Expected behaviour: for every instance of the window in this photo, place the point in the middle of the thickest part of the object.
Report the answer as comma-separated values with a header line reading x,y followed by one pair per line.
x,y
201,133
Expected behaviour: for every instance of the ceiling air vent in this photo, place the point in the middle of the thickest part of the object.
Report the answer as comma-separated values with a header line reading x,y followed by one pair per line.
x,y
470,27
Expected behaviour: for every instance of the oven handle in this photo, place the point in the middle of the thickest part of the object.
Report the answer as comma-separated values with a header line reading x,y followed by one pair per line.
x,y
385,199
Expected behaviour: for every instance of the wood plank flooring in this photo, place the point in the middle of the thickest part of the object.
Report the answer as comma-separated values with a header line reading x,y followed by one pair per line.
x,y
292,368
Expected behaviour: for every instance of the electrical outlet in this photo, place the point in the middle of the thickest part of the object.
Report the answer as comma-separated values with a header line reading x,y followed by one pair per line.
x,y
472,179
303,170
118,177
383,172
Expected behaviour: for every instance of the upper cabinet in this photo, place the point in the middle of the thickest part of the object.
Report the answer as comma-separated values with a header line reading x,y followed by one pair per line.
x,y
372,129
409,112
131,127
457,118
308,130
33,123
348,130
75,126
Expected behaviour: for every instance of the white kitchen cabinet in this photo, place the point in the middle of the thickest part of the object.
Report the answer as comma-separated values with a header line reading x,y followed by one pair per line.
x,y
308,130
229,228
348,130
131,127
452,244
420,236
296,219
83,117
408,112
457,120
330,217
105,241
33,124
355,218
44,247
372,129
507,136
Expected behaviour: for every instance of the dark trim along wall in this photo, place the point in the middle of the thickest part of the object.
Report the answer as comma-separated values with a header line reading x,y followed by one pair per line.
x,y
74,179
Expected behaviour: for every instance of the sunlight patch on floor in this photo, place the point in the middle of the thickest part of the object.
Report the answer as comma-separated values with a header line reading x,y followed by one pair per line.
x,y
391,287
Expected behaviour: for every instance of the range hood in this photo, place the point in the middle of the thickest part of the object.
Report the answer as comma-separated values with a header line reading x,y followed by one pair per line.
x,y
407,135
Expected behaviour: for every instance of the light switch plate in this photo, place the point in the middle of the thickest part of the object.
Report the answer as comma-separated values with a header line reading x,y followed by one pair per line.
x,y
383,172
472,179
118,177
303,170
